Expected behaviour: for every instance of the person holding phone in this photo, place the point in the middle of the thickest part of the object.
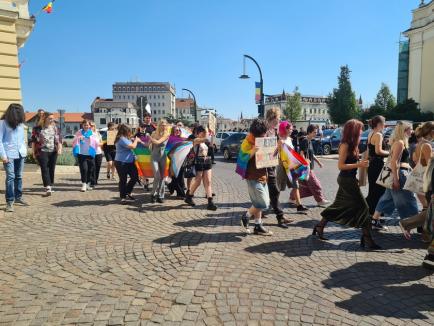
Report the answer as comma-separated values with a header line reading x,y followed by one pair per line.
x,y
350,207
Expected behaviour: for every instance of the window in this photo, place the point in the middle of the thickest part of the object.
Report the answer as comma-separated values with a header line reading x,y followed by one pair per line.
x,y
158,96
155,97
124,97
128,121
159,112
128,89
162,104
102,121
155,111
219,135
162,96
158,103
225,135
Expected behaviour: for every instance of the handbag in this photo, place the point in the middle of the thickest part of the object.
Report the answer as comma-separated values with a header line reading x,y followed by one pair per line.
x,y
281,178
363,172
414,182
385,179
190,167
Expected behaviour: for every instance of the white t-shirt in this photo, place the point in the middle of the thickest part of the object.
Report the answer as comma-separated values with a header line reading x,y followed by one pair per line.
x,y
288,141
99,139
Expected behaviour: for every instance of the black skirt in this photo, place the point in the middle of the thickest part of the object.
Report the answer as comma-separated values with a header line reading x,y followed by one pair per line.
x,y
375,190
350,207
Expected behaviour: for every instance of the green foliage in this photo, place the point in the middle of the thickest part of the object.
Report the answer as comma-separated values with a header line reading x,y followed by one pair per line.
x,y
293,109
385,99
342,102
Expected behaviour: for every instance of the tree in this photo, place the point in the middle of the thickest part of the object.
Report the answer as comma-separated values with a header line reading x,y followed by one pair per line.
x,y
409,110
373,111
385,99
342,101
293,107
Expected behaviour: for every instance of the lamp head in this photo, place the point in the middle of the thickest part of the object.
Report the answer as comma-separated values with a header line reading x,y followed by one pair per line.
x,y
244,76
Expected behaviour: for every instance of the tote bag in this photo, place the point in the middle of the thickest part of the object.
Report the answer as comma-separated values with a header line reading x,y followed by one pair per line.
x,y
414,181
385,179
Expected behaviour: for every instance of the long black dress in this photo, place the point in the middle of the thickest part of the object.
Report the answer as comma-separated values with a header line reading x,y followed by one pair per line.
x,y
376,163
350,207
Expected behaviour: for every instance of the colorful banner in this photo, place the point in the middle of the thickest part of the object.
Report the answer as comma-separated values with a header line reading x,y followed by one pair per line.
x,y
295,165
266,156
178,154
258,93
144,162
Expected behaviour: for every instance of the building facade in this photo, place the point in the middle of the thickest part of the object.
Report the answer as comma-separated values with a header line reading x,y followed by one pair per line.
x,y
313,107
15,27
185,109
160,96
72,121
109,110
421,56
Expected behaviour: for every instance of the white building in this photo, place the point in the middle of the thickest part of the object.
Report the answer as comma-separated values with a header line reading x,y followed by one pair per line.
x,y
160,96
109,110
313,107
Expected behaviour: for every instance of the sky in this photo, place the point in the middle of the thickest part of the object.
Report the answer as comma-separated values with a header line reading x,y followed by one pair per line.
x,y
79,50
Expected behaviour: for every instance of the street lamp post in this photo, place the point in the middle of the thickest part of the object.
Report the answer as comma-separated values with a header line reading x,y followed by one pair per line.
x,y
195,105
261,105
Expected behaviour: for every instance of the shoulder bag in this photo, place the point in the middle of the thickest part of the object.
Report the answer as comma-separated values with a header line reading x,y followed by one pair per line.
x,y
190,167
415,179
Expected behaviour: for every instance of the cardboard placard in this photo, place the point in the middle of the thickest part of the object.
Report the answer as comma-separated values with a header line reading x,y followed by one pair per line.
x,y
111,136
266,156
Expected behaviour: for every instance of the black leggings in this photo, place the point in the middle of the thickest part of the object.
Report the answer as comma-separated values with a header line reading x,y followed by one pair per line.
x,y
98,161
124,170
87,168
47,162
178,184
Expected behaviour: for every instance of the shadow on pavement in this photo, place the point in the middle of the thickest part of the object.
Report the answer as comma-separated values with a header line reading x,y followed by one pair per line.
x,y
76,203
381,293
188,239
207,222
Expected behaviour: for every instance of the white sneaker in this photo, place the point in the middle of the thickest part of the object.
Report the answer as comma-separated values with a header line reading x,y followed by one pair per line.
x,y
48,191
325,202
89,187
83,187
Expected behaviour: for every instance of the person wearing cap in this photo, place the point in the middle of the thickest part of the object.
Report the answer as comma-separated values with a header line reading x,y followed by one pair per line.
x,y
46,145
285,131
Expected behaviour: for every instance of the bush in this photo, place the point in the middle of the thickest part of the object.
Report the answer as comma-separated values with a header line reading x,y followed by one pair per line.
x,y
66,158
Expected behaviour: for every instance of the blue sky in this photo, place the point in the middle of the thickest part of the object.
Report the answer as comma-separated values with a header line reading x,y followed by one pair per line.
x,y
83,47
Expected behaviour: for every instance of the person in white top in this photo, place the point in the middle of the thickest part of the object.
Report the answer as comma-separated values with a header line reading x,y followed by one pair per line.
x,y
99,153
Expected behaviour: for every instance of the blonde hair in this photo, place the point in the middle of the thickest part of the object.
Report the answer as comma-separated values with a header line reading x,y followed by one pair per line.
x,y
43,120
425,129
399,133
272,114
162,131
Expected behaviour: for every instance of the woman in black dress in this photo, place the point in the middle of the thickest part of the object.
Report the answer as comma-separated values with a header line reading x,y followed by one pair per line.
x,y
350,207
376,153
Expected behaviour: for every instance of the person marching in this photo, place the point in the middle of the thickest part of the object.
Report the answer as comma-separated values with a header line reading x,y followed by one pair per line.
x,y
376,153
110,153
85,145
350,207
146,129
203,166
125,163
13,150
99,153
403,200
46,145
312,186
177,184
159,158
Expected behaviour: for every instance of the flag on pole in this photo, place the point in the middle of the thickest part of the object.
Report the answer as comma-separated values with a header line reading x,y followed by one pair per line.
x,y
49,7
258,93
295,165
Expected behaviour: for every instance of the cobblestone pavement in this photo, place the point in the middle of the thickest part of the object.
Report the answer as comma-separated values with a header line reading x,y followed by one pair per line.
x,y
81,258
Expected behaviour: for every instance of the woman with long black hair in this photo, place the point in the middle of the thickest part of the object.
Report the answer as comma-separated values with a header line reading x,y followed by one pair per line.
x,y
13,150
350,207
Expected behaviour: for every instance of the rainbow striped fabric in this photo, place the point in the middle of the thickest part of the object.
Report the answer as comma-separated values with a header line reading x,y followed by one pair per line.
x,y
244,155
144,162
295,165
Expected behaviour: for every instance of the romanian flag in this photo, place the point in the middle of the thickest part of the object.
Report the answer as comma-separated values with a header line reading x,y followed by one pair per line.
x,y
49,7
244,155
144,162
295,165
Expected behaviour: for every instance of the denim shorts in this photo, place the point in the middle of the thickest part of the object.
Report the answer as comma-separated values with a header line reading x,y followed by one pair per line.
x,y
403,201
258,193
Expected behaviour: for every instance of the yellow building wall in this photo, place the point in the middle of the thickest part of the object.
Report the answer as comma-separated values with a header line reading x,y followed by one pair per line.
x,y
427,78
10,86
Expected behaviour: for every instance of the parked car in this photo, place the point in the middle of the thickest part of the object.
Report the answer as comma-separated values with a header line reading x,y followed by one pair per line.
x,y
231,145
330,144
67,140
219,137
364,140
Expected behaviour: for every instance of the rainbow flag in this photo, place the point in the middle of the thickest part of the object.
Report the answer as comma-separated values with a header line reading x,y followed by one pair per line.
x,y
244,155
171,143
144,162
178,154
295,165
185,133
49,7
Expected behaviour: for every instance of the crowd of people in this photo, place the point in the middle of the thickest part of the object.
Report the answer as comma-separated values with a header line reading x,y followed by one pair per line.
x,y
388,169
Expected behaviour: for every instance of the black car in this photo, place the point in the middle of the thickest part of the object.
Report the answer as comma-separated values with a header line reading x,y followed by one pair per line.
x,y
330,144
231,145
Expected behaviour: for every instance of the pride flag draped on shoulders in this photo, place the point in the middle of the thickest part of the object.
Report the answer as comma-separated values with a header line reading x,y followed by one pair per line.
x,y
295,165
244,155
83,138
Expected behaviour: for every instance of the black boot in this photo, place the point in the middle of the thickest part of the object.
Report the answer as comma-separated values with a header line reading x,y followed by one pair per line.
x,y
189,200
366,241
211,206
319,229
